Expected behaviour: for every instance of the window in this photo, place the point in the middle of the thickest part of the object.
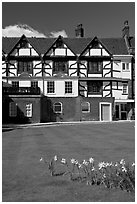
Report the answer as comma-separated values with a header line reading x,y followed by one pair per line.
x,y
15,83
94,67
60,66
50,87
29,110
68,87
125,88
125,66
58,107
24,43
124,107
34,84
24,66
12,109
85,107
95,87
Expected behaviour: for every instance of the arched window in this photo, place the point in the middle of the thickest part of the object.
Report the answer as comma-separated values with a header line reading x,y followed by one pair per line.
x,y
58,107
85,107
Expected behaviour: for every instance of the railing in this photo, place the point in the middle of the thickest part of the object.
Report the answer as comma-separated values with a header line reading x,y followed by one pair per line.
x,y
21,90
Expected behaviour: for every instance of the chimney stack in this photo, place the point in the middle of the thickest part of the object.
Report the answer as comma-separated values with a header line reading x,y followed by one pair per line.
x,y
79,31
125,30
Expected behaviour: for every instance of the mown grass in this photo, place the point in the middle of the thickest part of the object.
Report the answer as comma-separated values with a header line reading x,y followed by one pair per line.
x,y
25,179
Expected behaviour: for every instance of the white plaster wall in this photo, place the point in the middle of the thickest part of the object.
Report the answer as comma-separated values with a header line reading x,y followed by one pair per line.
x,y
40,85
104,53
69,53
60,88
36,71
95,52
60,51
73,64
117,67
24,52
33,52
95,75
24,83
71,71
83,72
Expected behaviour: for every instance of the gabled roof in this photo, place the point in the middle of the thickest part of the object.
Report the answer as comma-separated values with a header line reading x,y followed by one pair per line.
x,y
116,46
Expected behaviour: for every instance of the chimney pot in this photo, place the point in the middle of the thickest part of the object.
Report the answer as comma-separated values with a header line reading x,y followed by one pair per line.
x,y
79,31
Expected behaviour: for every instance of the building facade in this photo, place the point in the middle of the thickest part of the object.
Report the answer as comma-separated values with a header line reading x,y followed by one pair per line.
x,y
68,79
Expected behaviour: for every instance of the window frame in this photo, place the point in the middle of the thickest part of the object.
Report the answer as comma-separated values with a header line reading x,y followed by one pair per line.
x,y
91,86
126,66
55,104
86,102
68,87
91,67
12,109
15,84
23,66
123,89
50,87
34,84
57,69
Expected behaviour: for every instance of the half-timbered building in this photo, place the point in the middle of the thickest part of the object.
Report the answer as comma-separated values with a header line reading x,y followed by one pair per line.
x,y
68,79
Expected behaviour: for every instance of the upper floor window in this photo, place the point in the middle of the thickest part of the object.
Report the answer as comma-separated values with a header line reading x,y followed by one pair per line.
x,y
60,67
125,66
25,66
12,109
85,107
94,67
58,107
34,84
125,88
68,87
95,87
50,87
15,83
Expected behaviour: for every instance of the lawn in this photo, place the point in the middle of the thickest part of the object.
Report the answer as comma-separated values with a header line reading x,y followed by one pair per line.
x,y
25,178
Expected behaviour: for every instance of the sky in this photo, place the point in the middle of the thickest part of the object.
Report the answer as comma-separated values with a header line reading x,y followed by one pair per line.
x,y
50,19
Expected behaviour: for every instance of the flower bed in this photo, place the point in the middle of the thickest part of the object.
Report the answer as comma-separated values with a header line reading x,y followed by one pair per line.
x,y
111,175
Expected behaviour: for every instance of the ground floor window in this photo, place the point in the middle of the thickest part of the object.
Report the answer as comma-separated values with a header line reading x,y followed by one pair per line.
x,y
15,83
57,107
34,84
12,109
29,110
85,107
68,87
50,87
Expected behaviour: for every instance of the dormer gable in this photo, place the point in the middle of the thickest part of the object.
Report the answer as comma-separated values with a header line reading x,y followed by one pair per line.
x,y
23,48
96,48
59,48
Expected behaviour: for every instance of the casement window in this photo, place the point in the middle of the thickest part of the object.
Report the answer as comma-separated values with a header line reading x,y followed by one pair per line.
x,y
85,107
34,84
125,66
68,87
94,67
57,107
25,66
29,110
15,84
12,109
60,67
95,87
125,88
50,87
